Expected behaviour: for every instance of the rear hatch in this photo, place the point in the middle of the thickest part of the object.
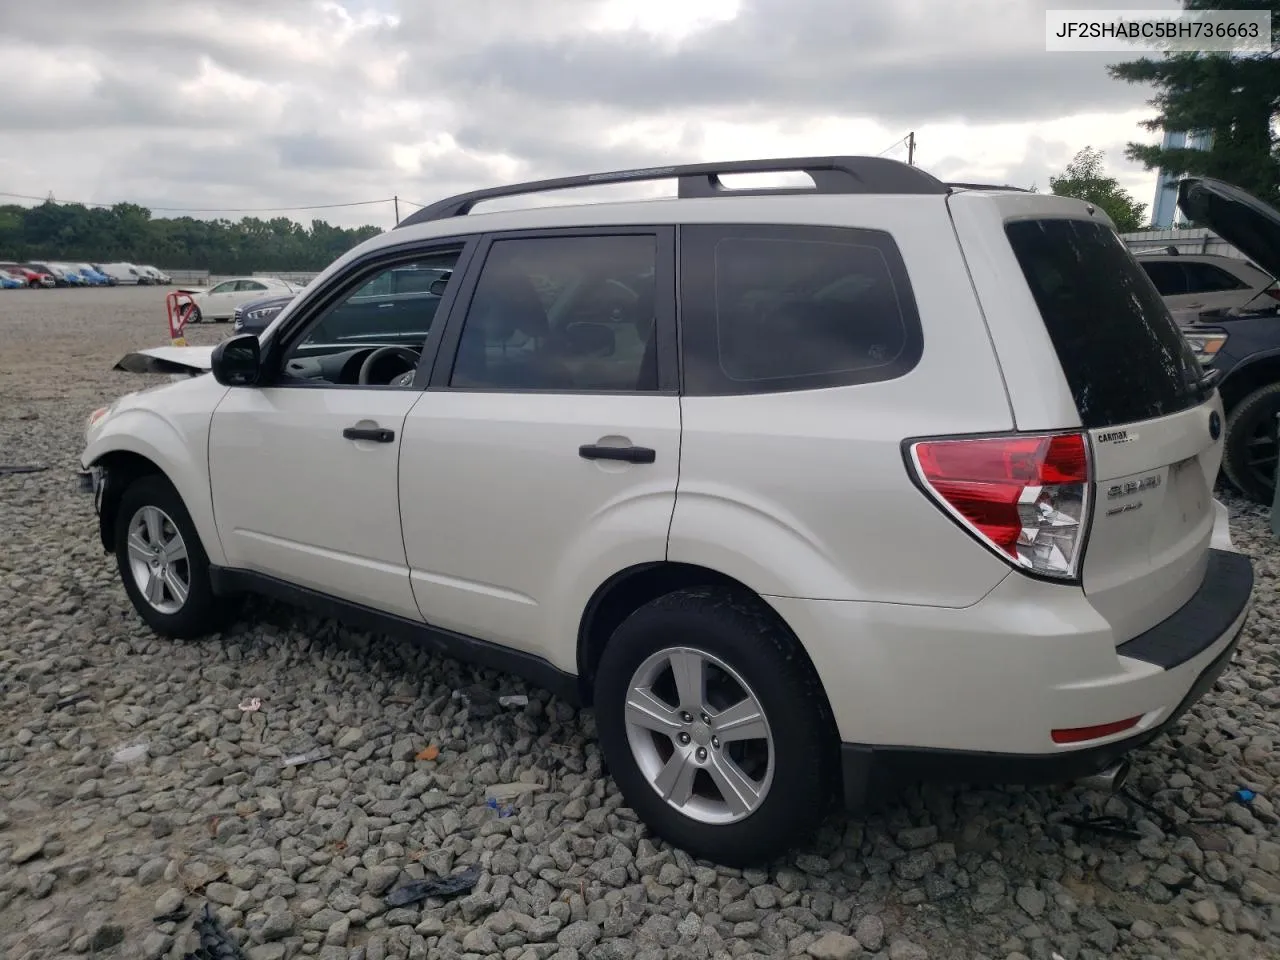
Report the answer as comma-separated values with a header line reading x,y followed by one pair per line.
x,y
1153,418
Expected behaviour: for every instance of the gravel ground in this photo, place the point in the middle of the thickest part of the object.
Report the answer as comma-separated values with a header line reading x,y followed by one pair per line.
x,y
98,840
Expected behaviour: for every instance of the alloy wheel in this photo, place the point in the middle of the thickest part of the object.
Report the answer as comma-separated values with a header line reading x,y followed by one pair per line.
x,y
158,560
699,735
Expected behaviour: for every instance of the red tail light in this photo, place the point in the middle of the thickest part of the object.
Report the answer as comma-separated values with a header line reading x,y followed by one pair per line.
x,y
1273,292
1025,497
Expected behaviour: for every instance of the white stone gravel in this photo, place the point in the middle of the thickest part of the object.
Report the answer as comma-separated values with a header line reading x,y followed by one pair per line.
x,y
295,860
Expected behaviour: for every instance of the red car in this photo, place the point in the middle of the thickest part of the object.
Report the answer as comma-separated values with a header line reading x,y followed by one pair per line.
x,y
34,278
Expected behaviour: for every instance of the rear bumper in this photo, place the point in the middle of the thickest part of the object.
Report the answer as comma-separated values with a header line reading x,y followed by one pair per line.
x,y
869,774
1164,671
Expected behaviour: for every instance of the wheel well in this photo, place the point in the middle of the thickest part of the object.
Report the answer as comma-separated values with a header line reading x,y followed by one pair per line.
x,y
120,469
1251,377
629,590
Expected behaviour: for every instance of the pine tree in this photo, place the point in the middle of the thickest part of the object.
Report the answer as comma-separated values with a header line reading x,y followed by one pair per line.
x,y
1233,97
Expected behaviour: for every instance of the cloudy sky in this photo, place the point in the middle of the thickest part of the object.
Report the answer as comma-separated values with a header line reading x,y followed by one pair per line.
x,y
282,103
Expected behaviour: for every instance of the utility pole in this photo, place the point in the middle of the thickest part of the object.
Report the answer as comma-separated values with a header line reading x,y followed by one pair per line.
x,y
911,148
397,201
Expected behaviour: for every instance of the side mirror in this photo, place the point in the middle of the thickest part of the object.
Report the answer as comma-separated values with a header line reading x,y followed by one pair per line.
x,y
237,362
437,287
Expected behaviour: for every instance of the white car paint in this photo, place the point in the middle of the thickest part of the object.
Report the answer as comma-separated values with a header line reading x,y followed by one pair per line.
x,y
356,552
124,273
169,425
472,568
481,519
156,276
219,302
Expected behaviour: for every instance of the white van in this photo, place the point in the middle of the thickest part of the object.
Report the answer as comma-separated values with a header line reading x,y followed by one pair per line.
x,y
122,273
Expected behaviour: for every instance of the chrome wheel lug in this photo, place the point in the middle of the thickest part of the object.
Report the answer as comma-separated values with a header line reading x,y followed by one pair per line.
x,y
684,739
715,742
686,717
702,754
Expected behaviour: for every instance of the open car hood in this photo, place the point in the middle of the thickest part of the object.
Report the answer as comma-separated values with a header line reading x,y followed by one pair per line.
x,y
188,360
1240,218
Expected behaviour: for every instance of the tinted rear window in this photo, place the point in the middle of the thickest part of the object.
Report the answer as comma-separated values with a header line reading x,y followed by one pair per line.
x,y
1121,352
775,307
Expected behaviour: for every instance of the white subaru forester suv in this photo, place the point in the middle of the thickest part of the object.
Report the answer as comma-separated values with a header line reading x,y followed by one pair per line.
x,y
807,492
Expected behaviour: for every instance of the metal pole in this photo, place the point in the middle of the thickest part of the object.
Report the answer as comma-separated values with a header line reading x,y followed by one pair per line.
x,y
911,148
397,201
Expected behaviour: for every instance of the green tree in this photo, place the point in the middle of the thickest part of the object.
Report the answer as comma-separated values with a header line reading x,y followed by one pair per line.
x,y
1233,97
1084,179
54,231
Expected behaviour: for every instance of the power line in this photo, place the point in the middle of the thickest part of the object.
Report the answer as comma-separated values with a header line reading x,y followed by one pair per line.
x,y
900,140
317,206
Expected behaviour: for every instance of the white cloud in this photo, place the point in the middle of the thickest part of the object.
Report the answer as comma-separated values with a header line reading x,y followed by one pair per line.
x,y
248,103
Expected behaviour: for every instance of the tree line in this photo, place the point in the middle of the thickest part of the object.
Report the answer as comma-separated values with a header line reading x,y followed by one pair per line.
x,y
128,232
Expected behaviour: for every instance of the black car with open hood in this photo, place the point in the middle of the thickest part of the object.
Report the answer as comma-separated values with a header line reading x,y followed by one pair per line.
x,y
1244,347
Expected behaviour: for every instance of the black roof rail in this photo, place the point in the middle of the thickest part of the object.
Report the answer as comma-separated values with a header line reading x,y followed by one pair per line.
x,y
831,175
987,186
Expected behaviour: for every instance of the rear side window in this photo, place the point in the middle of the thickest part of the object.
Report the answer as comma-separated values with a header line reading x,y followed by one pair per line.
x,y
770,308
1121,352
1206,278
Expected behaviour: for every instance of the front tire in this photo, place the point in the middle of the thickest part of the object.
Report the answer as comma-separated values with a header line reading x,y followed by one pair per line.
x,y
196,316
1250,451
162,563
715,727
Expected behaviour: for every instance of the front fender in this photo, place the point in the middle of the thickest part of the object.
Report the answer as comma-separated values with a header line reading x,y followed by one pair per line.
x,y
180,454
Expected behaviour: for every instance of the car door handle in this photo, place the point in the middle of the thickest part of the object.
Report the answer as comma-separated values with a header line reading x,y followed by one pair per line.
x,y
376,434
385,306
594,451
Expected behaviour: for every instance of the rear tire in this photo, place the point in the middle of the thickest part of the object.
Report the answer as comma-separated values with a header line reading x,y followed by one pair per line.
x,y
746,762
1250,448
162,563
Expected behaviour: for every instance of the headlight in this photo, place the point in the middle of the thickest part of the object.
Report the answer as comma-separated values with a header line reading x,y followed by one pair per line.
x,y
97,415
265,313
1206,345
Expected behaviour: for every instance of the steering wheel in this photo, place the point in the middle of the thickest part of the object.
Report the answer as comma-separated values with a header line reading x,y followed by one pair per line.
x,y
373,360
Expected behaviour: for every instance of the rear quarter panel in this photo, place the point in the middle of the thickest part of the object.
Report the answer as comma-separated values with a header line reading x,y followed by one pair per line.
x,y
806,493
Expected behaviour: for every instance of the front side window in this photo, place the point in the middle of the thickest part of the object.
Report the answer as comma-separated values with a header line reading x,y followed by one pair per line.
x,y
1170,279
228,286
333,347
562,314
